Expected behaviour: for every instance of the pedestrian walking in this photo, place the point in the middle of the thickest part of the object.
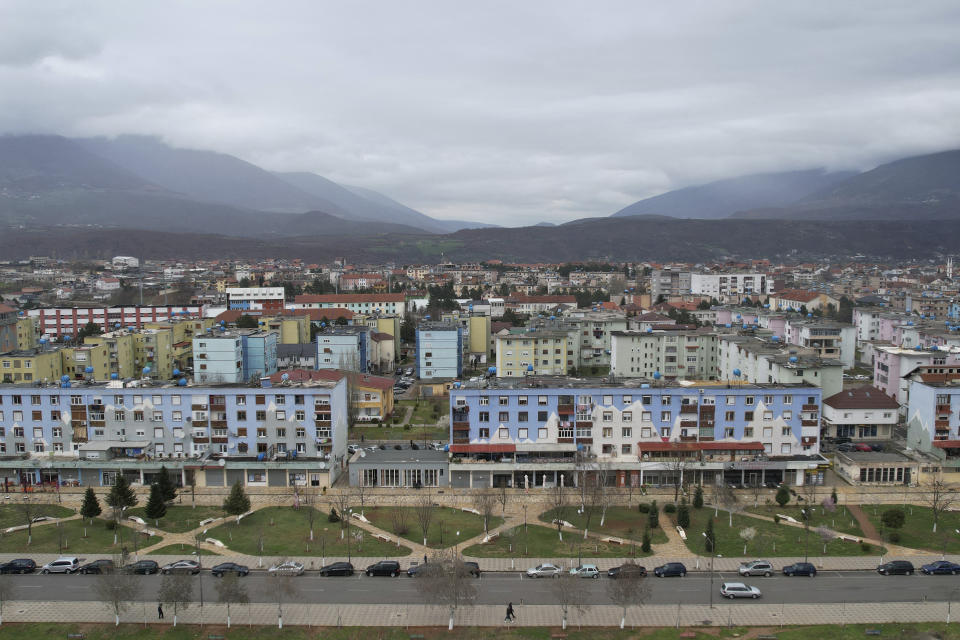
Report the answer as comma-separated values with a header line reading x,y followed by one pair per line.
x,y
424,558
510,616
160,611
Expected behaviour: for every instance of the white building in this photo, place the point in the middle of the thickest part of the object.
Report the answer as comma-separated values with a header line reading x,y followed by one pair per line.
x,y
830,340
762,360
683,355
125,262
866,413
727,287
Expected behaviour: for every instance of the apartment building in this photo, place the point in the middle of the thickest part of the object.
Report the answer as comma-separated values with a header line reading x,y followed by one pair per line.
x,y
893,364
744,358
828,340
346,348
543,431
730,286
281,435
542,352
439,350
270,299
8,329
595,330
66,321
865,413
682,355
669,282
393,304
476,332
530,304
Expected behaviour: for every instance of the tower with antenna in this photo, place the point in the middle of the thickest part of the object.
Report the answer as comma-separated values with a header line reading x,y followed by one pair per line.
x,y
950,268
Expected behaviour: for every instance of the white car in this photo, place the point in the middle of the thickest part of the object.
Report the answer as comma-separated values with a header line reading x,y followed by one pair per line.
x,y
738,590
545,570
286,569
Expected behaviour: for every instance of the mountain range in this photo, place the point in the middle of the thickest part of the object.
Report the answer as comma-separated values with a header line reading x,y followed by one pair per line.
x,y
140,182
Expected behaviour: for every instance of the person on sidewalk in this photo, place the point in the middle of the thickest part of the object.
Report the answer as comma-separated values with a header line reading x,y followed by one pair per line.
x,y
510,616
160,610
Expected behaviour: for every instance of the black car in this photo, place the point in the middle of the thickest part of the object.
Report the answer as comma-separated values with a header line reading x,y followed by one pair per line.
x,y
142,567
20,565
940,567
337,569
474,568
97,567
670,570
896,568
628,570
800,569
384,568
219,570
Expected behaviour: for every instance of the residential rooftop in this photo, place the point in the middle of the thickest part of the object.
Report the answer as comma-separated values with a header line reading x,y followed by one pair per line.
x,y
555,382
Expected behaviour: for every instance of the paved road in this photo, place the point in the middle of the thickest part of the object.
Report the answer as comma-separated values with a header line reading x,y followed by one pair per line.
x,y
827,587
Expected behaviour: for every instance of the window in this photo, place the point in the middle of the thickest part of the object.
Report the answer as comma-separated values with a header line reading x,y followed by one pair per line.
x,y
646,416
241,401
137,400
57,432
157,400
522,433
522,401
484,432
38,433
785,431
627,400
504,400
645,432
18,416
607,400
748,415
542,400
241,416
175,401
731,400
542,433
665,432
608,432
281,432
788,415
35,400
626,449
300,415
608,416
768,400
522,416
484,401
138,416
768,415
785,448
666,400
281,415
261,432
54,400
158,432
748,432
157,416
261,415
665,416
748,400
504,416
627,416
728,432
260,399
646,399
503,433
626,432
787,399
280,399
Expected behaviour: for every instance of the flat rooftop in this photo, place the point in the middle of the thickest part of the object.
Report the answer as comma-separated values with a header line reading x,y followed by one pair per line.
x,y
400,456
554,382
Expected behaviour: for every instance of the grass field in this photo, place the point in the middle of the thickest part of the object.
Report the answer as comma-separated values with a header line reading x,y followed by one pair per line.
x,y
11,515
417,434
621,522
918,530
191,632
180,549
839,520
179,518
543,542
444,525
286,532
46,539
771,540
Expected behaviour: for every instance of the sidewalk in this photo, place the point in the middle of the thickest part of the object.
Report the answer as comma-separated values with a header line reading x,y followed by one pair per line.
x,y
374,615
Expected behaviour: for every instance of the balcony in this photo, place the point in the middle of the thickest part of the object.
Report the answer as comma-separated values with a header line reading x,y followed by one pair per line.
x,y
322,423
584,424
461,414
688,408
810,423
810,407
688,424
943,408
215,440
202,440
564,408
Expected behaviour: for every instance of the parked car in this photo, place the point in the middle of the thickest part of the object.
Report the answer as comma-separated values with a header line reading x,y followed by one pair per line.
x,y
896,567
289,568
474,568
846,446
756,568
800,569
670,570
62,565
337,569
97,567
142,567
219,570
545,570
738,590
353,448
940,567
181,566
862,446
585,571
414,570
627,570
384,568
876,446
20,565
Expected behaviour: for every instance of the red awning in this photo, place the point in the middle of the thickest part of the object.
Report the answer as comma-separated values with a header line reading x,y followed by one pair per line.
x,y
483,448
947,444
699,446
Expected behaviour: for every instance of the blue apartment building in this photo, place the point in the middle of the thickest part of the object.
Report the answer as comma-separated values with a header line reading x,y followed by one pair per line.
x,y
83,435
344,347
539,431
439,350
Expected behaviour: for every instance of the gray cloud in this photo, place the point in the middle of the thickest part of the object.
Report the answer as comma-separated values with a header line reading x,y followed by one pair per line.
x,y
508,112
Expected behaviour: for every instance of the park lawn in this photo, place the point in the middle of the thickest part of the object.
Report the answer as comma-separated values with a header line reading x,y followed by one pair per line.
x,y
179,518
444,524
12,516
771,540
918,532
417,434
840,520
99,539
543,542
621,522
286,532
180,549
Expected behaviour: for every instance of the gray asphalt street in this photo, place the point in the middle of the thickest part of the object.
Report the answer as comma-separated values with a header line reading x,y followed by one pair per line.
x,y
827,587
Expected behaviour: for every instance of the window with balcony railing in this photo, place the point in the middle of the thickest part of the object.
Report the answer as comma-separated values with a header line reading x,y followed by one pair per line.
x,y
565,433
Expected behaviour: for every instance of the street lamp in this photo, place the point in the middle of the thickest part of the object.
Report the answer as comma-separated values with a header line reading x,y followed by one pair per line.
x,y
707,540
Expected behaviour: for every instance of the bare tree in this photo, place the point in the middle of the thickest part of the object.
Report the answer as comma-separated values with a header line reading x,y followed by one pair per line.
x,y
423,509
569,591
341,500
503,498
485,502
677,466
309,502
747,535
558,498
116,590
809,490
603,496
283,588
360,491
231,591
940,498
28,511
6,593
176,589
630,589
590,507
826,535
726,499
447,581
757,491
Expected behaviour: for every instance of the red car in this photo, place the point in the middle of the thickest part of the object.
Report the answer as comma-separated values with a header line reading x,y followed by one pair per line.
x,y
862,446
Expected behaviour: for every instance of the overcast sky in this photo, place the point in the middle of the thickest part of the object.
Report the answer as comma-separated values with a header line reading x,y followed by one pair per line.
x,y
507,112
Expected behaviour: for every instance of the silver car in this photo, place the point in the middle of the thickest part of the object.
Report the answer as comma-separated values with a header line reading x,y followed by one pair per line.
x,y
545,570
756,568
738,590
61,565
289,568
181,566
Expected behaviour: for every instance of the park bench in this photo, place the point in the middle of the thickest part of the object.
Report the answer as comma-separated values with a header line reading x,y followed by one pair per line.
x,y
76,636
873,632
382,537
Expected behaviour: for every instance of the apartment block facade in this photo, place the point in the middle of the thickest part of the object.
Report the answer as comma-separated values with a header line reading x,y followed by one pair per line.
x,y
682,355
439,350
67,321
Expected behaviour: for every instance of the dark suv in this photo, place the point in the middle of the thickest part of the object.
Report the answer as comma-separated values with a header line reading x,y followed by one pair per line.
x,y
384,568
142,567
20,565
800,569
895,568
670,570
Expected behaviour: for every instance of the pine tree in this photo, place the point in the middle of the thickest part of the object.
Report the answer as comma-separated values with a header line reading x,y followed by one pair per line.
x,y
698,498
783,495
167,489
237,502
121,495
645,545
156,507
710,540
90,508
683,514
654,518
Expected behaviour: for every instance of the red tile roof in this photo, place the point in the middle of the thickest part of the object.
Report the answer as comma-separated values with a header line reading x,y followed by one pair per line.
x,y
797,294
699,446
865,397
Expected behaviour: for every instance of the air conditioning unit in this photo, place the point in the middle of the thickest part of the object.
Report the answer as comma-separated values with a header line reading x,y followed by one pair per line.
x,y
123,438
